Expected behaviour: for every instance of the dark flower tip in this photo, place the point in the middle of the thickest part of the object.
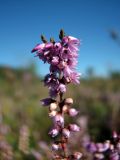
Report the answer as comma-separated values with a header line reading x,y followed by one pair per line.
x,y
47,101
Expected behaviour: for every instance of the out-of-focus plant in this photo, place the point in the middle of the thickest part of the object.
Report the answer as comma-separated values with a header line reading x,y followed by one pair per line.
x,y
108,150
62,57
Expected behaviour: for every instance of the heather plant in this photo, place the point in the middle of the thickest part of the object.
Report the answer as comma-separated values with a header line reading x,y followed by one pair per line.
x,y
62,57
108,150
98,98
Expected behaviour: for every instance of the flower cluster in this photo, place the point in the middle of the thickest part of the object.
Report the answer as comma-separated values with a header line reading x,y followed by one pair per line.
x,y
58,121
109,150
62,57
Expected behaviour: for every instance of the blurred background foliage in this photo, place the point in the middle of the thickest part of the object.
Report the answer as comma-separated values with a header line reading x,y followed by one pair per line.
x,y
24,123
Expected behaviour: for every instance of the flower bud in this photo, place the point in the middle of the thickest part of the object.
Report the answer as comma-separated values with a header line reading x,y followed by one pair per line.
x,y
57,45
53,106
72,112
65,109
69,101
66,133
54,132
74,127
77,155
59,120
55,147
52,113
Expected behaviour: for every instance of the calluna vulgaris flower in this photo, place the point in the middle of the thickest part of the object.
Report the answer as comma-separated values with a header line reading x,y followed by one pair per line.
x,y
62,57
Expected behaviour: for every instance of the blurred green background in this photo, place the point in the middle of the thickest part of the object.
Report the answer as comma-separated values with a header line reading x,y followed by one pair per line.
x,y
24,123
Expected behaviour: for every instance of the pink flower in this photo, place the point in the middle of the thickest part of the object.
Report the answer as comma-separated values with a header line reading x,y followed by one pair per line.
x,y
55,147
57,47
71,75
55,60
71,42
62,88
72,62
62,64
74,77
66,133
48,45
100,147
67,71
106,145
72,112
38,47
54,132
77,155
74,127
92,147
58,120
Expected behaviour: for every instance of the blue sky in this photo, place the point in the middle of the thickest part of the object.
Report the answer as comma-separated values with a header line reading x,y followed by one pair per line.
x,y
23,21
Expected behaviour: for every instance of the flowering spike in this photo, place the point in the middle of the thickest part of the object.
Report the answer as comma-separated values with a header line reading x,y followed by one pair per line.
x,y
62,58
